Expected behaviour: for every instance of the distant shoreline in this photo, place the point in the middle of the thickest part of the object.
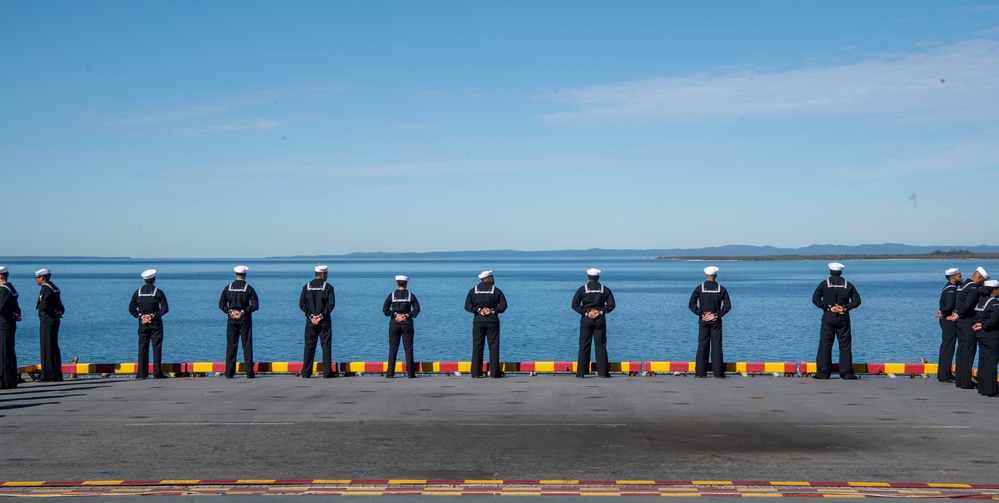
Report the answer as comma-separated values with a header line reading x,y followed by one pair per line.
x,y
786,258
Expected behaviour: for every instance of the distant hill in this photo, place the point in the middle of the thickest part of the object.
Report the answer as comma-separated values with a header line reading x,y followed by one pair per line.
x,y
716,251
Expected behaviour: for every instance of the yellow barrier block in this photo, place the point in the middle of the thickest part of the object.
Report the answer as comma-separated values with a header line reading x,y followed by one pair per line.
x,y
201,367
658,367
894,368
712,482
279,366
789,483
544,367
102,482
773,367
125,368
331,481
465,367
179,482
931,368
949,486
810,368
406,482
869,484
28,483
558,482
255,481
635,482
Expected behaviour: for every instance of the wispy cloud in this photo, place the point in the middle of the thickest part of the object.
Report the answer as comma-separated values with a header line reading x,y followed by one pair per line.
x,y
965,155
239,125
409,127
957,83
221,116
320,166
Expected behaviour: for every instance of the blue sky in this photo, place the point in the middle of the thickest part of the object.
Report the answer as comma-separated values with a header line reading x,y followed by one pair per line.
x,y
221,129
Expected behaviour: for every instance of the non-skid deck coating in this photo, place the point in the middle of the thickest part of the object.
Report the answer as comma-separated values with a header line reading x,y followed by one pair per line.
x,y
635,488
890,434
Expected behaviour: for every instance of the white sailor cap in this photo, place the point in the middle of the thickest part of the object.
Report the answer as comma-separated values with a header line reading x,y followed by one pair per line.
x,y
992,283
952,271
593,272
485,274
981,270
42,272
711,270
836,266
402,278
241,269
3,269
148,274
322,268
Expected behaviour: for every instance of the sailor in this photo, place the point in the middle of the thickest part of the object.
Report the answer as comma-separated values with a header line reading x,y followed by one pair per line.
x,y
485,301
10,314
593,301
148,305
402,307
948,324
317,302
239,301
710,303
986,328
836,297
50,312
967,343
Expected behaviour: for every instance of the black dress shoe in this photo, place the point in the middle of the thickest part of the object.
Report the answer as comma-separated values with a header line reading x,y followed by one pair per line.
x,y
161,376
947,381
816,376
849,377
720,377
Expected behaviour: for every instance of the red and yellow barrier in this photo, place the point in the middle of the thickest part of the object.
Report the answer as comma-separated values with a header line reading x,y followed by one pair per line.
x,y
547,367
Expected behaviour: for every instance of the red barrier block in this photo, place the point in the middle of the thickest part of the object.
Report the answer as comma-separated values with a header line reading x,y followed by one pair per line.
x,y
756,367
449,366
876,368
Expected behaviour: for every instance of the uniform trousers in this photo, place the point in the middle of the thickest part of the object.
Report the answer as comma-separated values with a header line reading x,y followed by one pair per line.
x,y
323,334
709,339
48,342
592,333
8,358
988,358
948,331
403,332
482,332
967,345
835,326
150,335
236,331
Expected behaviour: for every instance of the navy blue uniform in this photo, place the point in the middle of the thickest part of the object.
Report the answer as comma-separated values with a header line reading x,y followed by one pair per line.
x,y
593,332
405,303
987,313
948,333
238,296
485,327
149,299
967,342
317,298
835,291
10,312
709,297
50,312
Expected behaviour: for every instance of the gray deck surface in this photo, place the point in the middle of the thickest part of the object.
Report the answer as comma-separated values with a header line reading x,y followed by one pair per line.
x,y
519,427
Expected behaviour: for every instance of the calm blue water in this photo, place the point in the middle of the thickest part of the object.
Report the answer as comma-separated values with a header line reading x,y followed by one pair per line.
x,y
772,319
